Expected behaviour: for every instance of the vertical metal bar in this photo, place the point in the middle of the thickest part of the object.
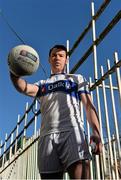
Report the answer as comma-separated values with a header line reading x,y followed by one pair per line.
x,y
94,39
65,176
28,166
107,124
98,176
36,149
32,160
25,123
108,161
118,75
17,129
115,157
67,71
67,66
10,155
101,131
27,158
96,78
88,132
30,157
25,120
1,147
5,144
114,113
35,119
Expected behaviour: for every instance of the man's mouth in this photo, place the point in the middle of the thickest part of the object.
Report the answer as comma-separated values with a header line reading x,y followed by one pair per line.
x,y
57,63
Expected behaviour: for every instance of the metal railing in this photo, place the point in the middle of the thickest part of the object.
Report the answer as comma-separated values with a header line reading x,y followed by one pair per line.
x,y
18,154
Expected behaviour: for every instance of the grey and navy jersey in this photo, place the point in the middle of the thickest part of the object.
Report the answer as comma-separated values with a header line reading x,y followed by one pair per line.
x,y
59,98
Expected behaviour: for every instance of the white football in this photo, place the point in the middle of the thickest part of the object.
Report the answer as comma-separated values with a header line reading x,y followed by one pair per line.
x,y
23,60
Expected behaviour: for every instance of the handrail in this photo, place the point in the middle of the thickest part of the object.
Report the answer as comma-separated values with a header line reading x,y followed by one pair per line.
x,y
105,76
98,13
98,40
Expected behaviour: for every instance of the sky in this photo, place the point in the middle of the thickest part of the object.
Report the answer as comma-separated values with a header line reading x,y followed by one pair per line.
x,y
42,24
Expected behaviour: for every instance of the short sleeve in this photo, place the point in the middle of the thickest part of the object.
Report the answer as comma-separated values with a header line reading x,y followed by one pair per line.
x,y
42,88
83,85
38,83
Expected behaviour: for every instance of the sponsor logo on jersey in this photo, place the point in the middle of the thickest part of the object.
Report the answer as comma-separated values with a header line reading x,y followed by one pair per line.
x,y
59,84
66,86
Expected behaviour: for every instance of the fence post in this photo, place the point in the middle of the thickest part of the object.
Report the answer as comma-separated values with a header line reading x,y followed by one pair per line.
x,y
10,155
1,147
118,75
115,156
4,154
114,114
17,128
107,124
25,123
35,118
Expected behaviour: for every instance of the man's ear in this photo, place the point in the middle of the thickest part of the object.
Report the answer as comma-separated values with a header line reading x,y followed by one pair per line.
x,y
66,61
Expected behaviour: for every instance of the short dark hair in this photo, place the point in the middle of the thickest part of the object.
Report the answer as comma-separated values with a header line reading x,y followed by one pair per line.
x,y
58,46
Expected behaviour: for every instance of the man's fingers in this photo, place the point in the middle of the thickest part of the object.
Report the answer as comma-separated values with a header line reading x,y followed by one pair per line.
x,y
96,145
98,149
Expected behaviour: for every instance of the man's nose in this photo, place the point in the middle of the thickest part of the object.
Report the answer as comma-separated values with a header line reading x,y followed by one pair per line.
x,y
57,56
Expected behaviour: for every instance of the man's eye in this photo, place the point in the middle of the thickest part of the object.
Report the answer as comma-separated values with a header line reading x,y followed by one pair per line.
x,y
61,55
53,55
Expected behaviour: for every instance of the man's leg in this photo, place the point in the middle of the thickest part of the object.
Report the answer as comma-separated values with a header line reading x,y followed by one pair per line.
x,y
79,170
47,176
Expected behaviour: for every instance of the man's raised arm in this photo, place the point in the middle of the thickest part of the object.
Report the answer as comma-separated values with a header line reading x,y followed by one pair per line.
x,y
23,87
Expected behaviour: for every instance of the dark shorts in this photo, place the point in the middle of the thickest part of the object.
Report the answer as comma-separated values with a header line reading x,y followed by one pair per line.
x,y
57,151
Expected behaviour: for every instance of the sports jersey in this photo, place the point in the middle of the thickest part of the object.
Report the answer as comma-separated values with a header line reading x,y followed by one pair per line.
x,y
59,98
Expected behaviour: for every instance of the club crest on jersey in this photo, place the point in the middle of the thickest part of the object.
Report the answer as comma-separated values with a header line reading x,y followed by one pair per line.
x,y
43,89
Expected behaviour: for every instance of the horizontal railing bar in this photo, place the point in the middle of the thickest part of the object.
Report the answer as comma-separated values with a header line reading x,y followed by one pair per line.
x,y
106,86
105,75
114,21
98,40
101,9
112,140
98,13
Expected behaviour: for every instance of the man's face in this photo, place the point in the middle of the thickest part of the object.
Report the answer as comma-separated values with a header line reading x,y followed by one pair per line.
x,y
57,60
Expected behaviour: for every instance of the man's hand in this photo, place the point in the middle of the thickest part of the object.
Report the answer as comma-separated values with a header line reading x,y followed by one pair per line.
x,y
96,144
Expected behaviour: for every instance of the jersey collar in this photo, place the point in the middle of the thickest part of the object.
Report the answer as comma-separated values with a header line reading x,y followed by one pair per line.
x,y
57,74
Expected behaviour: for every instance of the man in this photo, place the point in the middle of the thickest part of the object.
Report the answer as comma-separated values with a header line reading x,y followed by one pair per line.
x,y
62,144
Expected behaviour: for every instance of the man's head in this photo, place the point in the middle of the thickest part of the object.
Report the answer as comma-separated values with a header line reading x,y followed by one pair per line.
x,y
58,58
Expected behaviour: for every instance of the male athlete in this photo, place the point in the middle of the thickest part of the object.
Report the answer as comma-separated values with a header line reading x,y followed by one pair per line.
x,y
62,144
